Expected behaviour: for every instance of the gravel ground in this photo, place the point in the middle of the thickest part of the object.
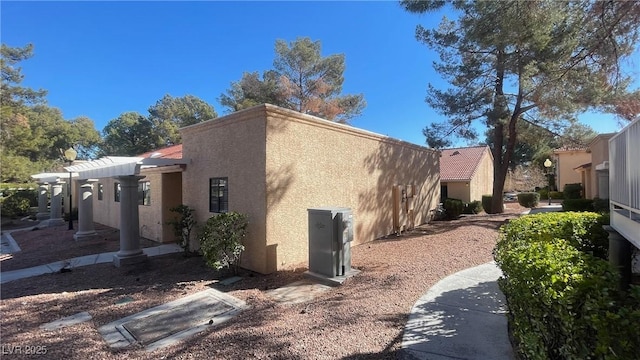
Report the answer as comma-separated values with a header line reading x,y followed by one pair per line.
x,y
362,319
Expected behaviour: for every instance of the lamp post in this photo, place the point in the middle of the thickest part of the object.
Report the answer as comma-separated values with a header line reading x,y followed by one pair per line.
x,y
547,165
69,156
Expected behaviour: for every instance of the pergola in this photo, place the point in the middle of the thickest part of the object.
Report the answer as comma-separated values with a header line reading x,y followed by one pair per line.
x,y
127,171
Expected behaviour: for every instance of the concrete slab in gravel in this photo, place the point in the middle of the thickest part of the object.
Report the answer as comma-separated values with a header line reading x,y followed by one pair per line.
x,y
297,292
166,324
460,317
67,321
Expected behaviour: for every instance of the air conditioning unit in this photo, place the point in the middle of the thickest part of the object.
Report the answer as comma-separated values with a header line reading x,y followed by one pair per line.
x,y
330,237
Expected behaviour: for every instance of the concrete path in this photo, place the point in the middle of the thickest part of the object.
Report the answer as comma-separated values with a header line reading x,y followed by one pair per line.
x,y
463,316
7,276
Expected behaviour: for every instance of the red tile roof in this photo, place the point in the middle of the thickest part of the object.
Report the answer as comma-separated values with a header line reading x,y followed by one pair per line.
x,y
461,163
169,152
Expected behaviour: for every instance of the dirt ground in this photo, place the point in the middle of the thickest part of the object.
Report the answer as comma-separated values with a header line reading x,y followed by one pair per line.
x,y
362,319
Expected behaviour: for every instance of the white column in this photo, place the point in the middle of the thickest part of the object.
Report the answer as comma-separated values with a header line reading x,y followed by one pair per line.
x,y
130,251
85,210
43,201
55,218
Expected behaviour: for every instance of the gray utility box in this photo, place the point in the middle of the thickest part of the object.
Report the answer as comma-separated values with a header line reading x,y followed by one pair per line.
x,y
330,236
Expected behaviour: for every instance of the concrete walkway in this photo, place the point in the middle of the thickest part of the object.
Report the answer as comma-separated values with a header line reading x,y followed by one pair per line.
x,y
7,276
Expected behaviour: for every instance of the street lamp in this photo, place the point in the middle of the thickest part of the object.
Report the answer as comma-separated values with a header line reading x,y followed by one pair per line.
x,y
69,156
547,165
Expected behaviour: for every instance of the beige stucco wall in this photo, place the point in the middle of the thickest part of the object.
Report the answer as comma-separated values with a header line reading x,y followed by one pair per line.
x,y
106,211
234,147
458,190
566,162
482,181
599,149
315,163
281,163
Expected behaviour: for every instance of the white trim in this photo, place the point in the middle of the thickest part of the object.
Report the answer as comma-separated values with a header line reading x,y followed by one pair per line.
x,y
112,166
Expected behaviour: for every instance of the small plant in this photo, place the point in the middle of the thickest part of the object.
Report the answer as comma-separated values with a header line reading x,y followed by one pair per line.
x,y
453,208
474,207
183,226
528,200
221,240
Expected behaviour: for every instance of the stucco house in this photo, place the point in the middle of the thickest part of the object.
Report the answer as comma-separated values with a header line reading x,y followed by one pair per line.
x,y
466,173
588,166
271,164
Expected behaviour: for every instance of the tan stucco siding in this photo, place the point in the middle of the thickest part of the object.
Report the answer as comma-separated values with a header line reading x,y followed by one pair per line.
x,y
150,216
171,197
232,147
482,181
106,211
313,163
599,154
566,162
458,190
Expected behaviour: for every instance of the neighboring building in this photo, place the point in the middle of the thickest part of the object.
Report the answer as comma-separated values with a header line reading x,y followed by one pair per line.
x,y
271,164
566,161
466,173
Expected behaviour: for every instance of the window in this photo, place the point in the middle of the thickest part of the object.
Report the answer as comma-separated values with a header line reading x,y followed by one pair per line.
x,y
218,195
144,193
100,191
116,192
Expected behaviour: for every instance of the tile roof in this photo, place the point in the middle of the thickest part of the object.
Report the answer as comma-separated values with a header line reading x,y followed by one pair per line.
x,y
169,152
461,163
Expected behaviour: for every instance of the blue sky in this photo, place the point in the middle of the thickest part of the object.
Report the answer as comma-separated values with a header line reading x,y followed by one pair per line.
x,y
100,59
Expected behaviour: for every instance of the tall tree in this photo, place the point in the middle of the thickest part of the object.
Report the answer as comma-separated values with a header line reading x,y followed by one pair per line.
x,y
510,60
302,80
130,134
169,114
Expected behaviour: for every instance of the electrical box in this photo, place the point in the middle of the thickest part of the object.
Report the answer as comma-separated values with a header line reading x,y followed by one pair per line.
x,y
330,237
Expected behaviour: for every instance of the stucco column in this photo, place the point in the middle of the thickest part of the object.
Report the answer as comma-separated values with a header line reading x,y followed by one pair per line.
x,y
130,251
43,200
55,218
85,210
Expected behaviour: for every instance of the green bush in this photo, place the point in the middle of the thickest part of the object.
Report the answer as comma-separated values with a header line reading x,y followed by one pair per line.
x,y
562,300
453,208
15,206
577,205
557,195
601,205
183,226
529,200
572,191
544,193
486,204
474,207
221,239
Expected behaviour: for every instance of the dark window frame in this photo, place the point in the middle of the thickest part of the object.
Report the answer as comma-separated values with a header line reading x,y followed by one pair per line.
x,y
144,193
117,189
100,191
219,195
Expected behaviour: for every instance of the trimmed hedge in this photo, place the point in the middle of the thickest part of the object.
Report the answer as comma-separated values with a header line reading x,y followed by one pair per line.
x,y
555,195
529,200
601,205
486,204
474,207
572,191
577,205
563,301
453,208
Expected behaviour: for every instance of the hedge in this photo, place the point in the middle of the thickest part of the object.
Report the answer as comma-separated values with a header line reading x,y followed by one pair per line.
x,y
486,204
453,208
528,200
474,207
572,191
562,300
577,205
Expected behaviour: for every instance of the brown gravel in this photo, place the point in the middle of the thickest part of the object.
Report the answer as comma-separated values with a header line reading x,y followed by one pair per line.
x,y
362,319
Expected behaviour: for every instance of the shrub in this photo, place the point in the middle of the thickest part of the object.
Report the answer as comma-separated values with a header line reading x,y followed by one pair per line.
x,y
561,298
221,240
529,199
572,191
453,208
557,195
601,205
486,204
544,193
474,207
577,205
183,226
15,206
